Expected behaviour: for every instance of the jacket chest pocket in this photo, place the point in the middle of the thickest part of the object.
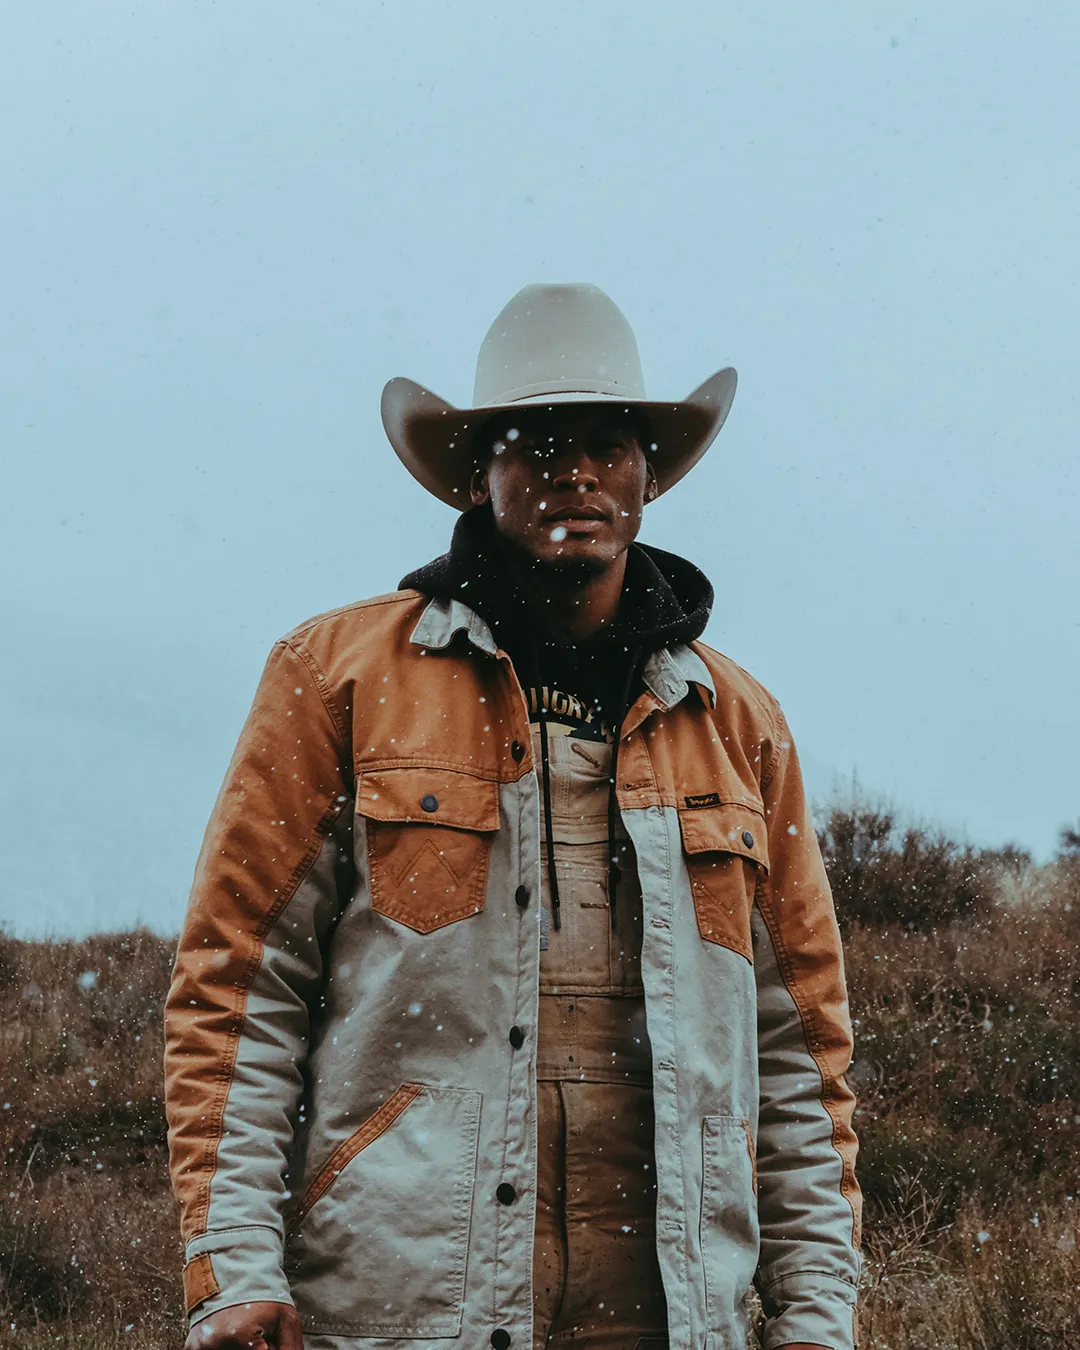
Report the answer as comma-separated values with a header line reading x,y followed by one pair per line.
x,y
429,834
726,851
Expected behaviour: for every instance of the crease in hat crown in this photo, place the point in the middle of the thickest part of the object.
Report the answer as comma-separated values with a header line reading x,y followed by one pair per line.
x,y
561,340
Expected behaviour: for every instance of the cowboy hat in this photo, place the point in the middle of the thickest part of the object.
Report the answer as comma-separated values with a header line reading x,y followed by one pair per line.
x,y
550,344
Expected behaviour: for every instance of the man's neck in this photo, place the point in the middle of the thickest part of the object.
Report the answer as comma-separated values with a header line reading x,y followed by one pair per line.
x,y
573,608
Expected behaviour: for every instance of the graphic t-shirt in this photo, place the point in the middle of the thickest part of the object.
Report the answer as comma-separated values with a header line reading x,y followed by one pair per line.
x,y
580,688
568,714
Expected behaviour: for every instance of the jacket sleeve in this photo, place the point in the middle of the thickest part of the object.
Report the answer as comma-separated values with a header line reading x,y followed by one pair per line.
x,y
268,886
809,1204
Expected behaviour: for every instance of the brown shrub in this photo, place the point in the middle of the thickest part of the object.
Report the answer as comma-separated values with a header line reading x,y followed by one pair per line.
x,y
881,873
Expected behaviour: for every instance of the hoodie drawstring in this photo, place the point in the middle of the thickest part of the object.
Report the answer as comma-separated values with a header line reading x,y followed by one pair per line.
x,y
545,778
549,831
614,870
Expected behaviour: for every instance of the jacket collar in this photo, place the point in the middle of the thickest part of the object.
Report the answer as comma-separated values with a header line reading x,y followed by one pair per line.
x,y
441,619
668,673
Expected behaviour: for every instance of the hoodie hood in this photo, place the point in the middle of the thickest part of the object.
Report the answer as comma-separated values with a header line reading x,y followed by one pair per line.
x,y
665,599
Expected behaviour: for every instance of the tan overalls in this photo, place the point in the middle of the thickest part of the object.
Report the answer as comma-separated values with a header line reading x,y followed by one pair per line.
x,y
596,1278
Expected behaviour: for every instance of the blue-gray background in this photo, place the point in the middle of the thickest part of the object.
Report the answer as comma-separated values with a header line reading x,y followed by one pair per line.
x,y
224,226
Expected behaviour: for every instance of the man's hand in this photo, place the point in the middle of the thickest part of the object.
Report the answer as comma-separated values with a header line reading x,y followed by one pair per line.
x,y
248,1326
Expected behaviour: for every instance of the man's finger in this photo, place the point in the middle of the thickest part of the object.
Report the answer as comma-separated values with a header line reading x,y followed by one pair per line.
x,y
239,1328
290,1336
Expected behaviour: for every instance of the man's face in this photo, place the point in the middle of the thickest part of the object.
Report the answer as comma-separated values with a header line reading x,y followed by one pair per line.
x,y
567,485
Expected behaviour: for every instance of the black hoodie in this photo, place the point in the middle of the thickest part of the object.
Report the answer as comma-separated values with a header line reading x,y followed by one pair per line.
x,y
590,684
665,600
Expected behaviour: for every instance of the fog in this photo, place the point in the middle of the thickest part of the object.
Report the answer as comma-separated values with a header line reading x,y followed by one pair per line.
x,y
226,226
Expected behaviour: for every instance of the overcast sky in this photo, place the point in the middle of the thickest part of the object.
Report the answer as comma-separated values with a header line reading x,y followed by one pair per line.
x,y
225,226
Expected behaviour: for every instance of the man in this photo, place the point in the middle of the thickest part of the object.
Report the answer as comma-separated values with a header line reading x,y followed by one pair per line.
x,y
509,1009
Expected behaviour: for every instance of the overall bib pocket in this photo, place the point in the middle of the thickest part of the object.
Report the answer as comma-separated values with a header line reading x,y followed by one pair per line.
x,y
429,835
725,848
377,1245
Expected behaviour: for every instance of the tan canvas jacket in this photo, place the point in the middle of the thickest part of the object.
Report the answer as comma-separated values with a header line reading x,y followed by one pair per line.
x,y
342,1096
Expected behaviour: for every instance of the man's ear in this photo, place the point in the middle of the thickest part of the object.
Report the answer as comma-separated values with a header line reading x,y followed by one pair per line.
x,y
652,489
478,487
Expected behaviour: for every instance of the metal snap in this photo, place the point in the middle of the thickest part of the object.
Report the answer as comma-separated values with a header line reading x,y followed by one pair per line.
x,y
431,803
748,839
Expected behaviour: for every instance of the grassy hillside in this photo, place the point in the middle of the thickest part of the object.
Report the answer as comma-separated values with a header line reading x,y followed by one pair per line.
x,y
89,1246
965,984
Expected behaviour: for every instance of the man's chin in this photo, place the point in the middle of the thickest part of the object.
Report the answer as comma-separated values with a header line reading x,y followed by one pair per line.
x,y
579,569
574,563
574,559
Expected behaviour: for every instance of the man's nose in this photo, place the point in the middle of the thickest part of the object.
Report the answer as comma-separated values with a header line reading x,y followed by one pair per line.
x,y
575,476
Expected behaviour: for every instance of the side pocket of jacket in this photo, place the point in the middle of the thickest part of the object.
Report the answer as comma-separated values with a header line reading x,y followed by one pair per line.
x,y
378,1243
729,1232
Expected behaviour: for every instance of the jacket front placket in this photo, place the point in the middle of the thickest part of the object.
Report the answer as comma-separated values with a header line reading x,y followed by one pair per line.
x,y
669,675
507,1252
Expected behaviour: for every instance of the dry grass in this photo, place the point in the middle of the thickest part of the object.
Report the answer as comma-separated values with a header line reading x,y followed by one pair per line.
x,y
967,1068
89,1244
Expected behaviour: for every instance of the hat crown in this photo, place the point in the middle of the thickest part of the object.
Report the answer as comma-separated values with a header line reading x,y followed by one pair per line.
x,y
558,339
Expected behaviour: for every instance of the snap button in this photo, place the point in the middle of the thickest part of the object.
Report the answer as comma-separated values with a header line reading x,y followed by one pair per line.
x,y
500,1338
431,803
517,1037
521,897
748,839
506,1193
518,751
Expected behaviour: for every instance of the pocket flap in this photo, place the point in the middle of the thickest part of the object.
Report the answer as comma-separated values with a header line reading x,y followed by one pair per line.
x,y
727,827
429,797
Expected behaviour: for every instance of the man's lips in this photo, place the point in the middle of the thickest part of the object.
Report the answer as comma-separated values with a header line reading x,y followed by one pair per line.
x,y
570,513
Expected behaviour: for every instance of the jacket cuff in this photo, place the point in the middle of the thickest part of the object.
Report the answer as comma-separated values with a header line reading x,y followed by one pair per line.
x,y
233,1265
810,1306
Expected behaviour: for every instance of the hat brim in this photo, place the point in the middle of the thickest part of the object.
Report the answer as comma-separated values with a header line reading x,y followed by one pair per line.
x,y
433,439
